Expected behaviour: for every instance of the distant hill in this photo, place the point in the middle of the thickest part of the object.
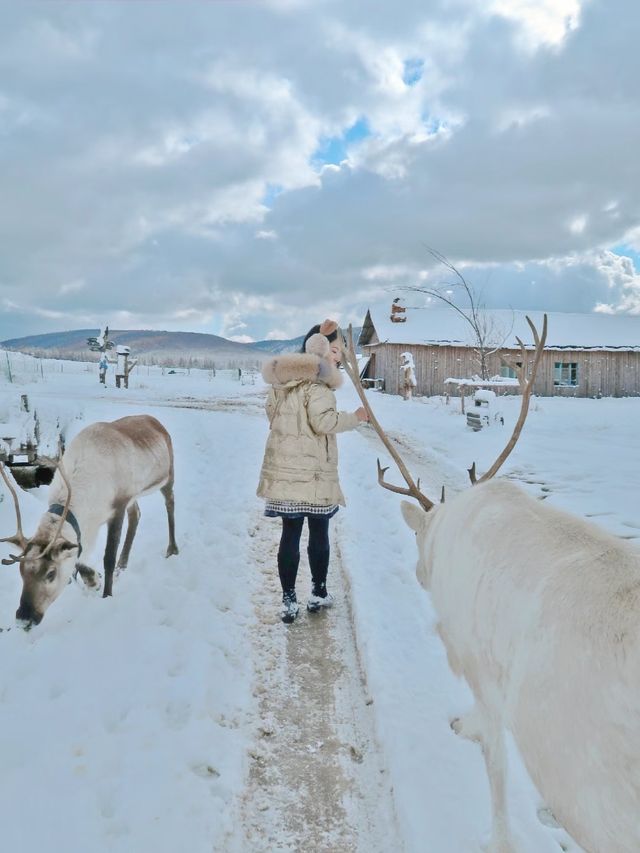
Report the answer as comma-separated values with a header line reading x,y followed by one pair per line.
x,y
276,347
179,349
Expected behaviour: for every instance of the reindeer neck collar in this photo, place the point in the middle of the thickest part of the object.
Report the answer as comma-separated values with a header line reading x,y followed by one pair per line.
x,y
58,509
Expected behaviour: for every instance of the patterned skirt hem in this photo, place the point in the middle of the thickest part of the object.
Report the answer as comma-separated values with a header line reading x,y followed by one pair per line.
x,y
283,509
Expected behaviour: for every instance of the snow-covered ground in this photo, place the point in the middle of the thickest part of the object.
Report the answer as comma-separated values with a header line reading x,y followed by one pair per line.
x,y
149,721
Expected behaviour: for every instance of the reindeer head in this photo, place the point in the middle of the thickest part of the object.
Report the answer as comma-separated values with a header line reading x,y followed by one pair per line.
x,y
46,560
45,568
420,521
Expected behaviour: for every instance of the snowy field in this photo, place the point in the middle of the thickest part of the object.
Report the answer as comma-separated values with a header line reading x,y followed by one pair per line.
x,y
171,716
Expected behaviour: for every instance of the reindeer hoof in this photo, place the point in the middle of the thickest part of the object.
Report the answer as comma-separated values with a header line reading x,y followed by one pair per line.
x,y
547,818
90,577
171,550
468,726
93,584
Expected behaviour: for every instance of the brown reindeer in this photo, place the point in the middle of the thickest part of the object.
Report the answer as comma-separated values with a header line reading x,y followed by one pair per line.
x,y
103,472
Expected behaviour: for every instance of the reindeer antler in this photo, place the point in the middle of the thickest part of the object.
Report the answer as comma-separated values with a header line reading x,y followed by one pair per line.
x,y
526,386
18,538
65,511
413,490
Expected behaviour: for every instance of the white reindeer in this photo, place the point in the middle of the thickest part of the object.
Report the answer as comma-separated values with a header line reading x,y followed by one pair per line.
x,y
540,612
103,472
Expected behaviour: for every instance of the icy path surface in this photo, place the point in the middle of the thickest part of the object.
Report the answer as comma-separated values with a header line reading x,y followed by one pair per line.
x,y
316,780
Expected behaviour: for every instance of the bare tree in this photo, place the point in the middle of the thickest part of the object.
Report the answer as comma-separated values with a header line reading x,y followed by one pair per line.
x,y
489,338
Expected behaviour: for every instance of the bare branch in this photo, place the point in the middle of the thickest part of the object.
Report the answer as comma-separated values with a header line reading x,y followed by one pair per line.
x,y
483,329
350,362
412,288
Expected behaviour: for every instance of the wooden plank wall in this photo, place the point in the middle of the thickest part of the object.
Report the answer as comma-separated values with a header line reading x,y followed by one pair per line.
x,y
610,374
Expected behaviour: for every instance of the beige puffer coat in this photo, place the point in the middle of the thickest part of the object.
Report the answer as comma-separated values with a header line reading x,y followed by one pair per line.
x,y
301,456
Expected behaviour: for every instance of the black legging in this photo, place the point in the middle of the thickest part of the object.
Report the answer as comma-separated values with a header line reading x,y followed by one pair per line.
x,y
318,551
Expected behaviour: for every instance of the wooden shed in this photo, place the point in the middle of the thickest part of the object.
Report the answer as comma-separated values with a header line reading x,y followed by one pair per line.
x,y
587,355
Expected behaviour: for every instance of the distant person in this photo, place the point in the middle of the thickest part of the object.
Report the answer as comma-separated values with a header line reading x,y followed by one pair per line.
x,y
103,366
299,476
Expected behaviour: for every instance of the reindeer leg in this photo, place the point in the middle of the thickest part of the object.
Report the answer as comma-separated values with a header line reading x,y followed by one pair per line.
x,y
486,729
133,517
495,757
167,492
114,530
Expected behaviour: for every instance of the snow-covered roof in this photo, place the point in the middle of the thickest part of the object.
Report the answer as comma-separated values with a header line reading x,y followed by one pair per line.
x,y
443,326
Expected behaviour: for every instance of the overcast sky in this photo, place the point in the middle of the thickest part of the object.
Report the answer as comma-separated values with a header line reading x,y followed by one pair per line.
x,y
248,168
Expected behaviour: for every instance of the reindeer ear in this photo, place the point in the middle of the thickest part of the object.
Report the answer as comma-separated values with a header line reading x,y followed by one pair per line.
x,y
414,515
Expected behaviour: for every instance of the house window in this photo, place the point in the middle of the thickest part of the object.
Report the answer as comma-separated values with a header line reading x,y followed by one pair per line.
x,y
565,373
509,372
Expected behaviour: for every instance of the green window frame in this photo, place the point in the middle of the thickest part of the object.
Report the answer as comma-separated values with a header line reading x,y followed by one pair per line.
x,y
565,373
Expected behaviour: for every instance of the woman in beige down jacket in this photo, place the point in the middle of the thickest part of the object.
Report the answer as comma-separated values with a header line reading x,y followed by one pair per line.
x,y
299,476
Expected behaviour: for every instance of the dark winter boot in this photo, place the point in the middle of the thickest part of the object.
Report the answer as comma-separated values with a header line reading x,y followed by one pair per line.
x,y
290,606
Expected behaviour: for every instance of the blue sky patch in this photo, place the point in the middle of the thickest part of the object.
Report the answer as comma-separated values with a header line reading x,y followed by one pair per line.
x,y
432,124
334,149
628,252
413,71
271,193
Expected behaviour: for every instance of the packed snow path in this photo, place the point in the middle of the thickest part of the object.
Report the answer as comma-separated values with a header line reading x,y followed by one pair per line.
x,y
316,780
316,777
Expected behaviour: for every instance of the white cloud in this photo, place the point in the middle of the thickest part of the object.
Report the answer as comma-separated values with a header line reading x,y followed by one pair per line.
x,y
53,42
194,195
578,224
542,22
72,286
388,273
624,283
242,339
520,116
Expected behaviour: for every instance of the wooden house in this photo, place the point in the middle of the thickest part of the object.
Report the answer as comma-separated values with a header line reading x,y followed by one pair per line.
x,y
586,355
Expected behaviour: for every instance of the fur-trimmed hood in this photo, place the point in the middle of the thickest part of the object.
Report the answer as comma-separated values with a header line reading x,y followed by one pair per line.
x,y
293,368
